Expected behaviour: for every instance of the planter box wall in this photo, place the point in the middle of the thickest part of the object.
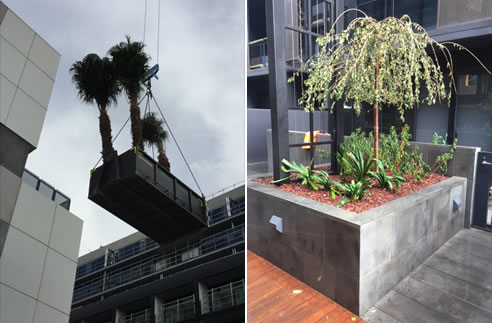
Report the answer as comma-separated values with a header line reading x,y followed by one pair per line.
x,y
354,259
464,164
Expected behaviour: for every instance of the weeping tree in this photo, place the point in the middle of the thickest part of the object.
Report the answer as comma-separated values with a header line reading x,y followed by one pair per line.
x,y
131,65
96,82
154,134
391,62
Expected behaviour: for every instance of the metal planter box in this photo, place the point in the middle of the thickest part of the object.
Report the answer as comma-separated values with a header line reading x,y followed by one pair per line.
x,y
139,191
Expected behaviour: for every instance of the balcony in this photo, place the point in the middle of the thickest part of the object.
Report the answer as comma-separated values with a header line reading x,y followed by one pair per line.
x,y
258,54
136,189
235,207
158,263
143,316
176,311
46,189
224,297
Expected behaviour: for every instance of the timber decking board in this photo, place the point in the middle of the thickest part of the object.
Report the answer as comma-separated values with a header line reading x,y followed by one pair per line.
x,y
270,297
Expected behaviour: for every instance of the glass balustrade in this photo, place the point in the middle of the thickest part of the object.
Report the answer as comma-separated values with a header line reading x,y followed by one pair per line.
x,y
158,263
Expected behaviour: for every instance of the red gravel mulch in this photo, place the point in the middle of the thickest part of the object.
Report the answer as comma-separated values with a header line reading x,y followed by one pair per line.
x,y
378,195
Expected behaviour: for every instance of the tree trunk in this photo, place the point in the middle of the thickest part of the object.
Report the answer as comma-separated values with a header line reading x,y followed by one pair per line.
x,y
136,124
106,137
376,115
162,157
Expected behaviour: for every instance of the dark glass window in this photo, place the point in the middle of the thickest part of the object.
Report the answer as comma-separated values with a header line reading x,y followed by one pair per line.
x,y
422,12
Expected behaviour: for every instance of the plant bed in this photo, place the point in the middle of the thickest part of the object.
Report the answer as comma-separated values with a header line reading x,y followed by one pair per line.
x,y
353,258
377,197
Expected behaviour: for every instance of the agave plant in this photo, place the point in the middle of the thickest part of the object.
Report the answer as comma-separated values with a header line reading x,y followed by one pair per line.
x,y
96,82
354,191
357,164
323,178
387,181
303,172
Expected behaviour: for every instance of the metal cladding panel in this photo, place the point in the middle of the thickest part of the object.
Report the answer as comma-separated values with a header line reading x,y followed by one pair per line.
x,y
454,12
129,188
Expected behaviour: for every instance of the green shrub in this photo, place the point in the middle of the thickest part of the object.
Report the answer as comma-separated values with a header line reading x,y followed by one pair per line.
x,y
357,164
354,191
387,181
303,172
323,178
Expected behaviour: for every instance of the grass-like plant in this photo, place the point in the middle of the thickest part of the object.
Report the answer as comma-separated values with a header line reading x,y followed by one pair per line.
x,y
323,178
303,172
357,164
354,191
386,181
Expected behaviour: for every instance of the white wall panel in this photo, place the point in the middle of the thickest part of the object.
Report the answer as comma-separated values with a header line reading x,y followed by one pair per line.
x,y
37,84
46,314
11,61
66,233
57,282
44,56
17,32
7,91
15,306
26,118
22,261
34,213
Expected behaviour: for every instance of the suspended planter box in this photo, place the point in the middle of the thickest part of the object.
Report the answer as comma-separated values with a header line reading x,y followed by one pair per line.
x,y
139,191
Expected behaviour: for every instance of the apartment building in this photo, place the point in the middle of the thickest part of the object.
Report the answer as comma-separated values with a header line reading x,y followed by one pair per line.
x,y
39,236
196,278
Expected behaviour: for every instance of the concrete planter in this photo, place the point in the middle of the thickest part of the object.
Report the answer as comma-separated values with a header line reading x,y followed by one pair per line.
x,y
354,259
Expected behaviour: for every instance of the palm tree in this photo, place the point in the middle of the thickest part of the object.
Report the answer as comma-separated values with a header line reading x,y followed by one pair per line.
x,y
131,64
154,134
95,80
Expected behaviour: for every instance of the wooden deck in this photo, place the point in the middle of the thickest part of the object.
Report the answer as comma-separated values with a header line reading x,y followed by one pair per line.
x,y
275,296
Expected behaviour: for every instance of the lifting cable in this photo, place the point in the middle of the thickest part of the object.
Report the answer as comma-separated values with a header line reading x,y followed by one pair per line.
x,y
177,145
112,141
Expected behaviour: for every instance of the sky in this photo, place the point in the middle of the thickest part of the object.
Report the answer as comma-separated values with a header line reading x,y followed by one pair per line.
x,y
200,90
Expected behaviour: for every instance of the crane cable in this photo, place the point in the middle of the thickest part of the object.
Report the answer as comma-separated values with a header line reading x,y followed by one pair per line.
x,y
149,93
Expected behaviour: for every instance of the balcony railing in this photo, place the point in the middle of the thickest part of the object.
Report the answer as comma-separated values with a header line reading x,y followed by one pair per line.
x,y
236,208
116,256
46,189
178,310
223,297
156,264
258,53
143,316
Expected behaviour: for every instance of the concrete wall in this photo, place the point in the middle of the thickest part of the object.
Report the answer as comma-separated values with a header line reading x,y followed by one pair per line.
x,y
353,258
37,266
464,164
298,154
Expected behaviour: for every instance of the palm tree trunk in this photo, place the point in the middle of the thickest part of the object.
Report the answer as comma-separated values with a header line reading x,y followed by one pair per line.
x,y
106,137
162,157
136,123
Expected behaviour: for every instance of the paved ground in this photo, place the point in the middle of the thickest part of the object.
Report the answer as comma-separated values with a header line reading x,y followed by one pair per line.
x,y
453,285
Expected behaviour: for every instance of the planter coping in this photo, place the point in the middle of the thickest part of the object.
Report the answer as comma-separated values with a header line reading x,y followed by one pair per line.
x,y
359,219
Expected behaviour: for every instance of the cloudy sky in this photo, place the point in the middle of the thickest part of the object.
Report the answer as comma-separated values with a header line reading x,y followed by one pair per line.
x,y
201,92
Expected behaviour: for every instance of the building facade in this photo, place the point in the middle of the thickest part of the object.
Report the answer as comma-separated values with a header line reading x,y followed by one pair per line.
x,y
299,22
39,236
197,278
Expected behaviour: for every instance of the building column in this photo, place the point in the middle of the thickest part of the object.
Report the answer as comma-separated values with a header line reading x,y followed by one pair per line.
x,y
275,25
